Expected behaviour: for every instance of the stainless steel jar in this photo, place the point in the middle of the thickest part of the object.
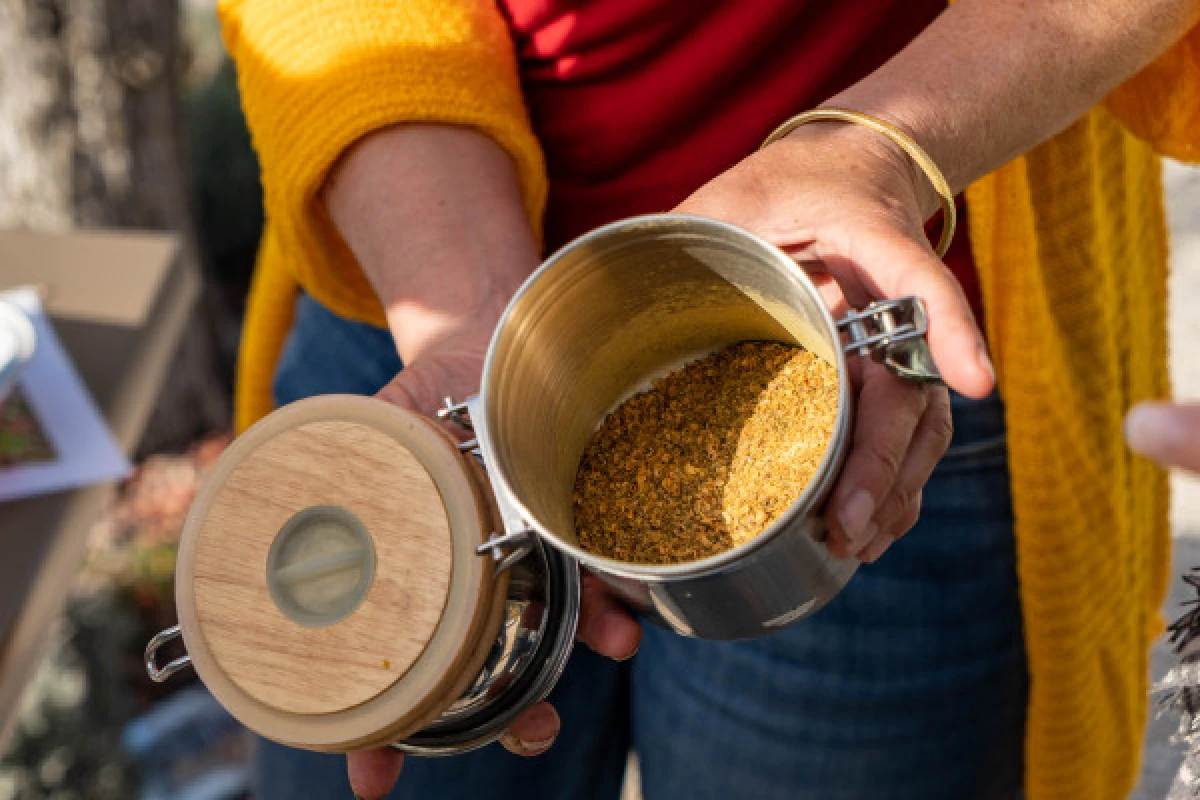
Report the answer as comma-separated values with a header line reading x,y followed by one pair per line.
x,y
598,320
635,299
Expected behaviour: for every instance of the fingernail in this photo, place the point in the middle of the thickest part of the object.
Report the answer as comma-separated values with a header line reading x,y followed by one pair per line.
x,y
1151,429
985,361
856,515
522,747
875,549
636,647
538,746
868,539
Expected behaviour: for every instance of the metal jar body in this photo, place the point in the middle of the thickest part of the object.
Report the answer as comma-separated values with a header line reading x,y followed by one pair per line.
x,y
596,323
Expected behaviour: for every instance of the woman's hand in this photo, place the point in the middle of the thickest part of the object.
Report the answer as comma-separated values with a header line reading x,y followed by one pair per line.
x,y
452,367
1168,433
434,216
850,207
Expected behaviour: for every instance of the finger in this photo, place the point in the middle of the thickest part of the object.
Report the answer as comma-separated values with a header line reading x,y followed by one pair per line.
x,y
899,511
533,732
604,624
1166,432
899,266
877,546
885,538
889,409
373,773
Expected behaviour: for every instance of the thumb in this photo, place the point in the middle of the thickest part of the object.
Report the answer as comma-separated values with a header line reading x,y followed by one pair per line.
x,y
373,773
1167,433
954,338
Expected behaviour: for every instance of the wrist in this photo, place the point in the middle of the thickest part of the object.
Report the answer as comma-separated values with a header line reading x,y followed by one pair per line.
x,y
915,120
876,159
928,200
457,324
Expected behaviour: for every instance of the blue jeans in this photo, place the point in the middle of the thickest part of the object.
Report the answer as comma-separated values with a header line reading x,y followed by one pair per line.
x,y
911,684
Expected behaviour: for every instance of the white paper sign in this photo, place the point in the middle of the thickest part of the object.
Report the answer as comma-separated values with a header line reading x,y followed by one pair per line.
x,y
84,449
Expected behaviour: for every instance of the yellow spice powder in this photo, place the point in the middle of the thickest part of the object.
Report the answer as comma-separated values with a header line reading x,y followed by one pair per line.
x,y
708,457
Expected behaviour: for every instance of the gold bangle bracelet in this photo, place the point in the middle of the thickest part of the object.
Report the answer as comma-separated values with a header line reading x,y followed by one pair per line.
x,y
903,141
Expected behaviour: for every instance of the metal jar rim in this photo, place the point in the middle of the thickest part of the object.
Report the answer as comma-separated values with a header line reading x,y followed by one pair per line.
x,y
816,489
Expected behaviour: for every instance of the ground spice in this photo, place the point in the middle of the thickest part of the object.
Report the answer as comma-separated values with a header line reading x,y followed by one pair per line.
x,y
707,457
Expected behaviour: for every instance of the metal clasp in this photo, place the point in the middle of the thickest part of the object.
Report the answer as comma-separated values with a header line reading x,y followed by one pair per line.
x,y
459,412
507,548
893,331
162,637
517,539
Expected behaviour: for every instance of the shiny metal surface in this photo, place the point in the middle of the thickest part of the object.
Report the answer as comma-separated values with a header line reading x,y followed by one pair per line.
x,y
529,654
595,323
508,548
160,674
894,332
520,633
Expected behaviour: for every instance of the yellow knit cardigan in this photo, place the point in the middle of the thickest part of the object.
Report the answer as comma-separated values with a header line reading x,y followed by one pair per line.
x,y
1071,247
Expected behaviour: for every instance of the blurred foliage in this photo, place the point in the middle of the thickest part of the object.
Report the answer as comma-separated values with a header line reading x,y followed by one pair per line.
x,y
67,740
66,745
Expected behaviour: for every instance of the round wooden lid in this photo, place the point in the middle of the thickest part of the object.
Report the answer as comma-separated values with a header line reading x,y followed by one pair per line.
x,y
328,585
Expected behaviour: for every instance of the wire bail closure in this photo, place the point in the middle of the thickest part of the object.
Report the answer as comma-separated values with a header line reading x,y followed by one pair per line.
x,y
893,332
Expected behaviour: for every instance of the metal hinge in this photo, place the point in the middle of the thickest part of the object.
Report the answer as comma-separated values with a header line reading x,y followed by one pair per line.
x,y
457,412
460,413
893,331
507,548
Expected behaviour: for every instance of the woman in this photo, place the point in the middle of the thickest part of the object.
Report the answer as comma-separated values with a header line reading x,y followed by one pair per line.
x,y
409,151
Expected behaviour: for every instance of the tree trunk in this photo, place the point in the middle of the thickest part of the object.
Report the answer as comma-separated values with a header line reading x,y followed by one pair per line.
x,y
91,135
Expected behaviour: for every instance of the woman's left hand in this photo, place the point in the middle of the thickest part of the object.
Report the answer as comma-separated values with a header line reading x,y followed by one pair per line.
x,y
850,207
1168,433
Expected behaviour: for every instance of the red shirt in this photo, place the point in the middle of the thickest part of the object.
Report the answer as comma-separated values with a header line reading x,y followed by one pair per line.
x,y
638,103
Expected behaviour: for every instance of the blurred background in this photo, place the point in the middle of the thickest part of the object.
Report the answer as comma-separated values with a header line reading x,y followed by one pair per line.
x,y
125,114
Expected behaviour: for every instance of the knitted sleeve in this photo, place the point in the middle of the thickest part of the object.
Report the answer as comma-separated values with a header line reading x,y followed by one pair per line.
x,y
1161,104
317,75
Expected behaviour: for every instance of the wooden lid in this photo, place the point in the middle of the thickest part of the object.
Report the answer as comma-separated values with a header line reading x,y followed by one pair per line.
x,y
328,587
